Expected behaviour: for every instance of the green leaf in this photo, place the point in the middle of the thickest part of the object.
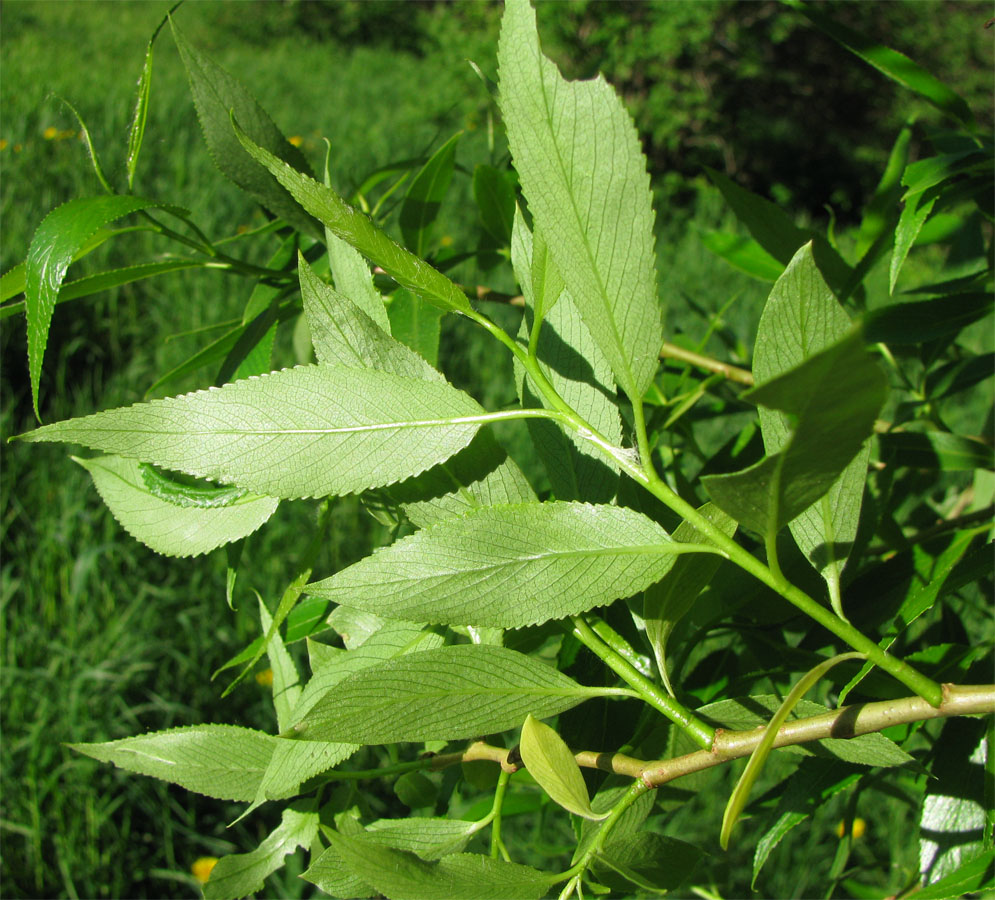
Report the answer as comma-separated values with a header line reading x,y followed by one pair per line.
x,y
550,762
509,566
102,281
57,240
653,862
425,194
221,761
743,253
342,333
801,318
351,274
138,118
926,320
770,226
809,788
495,198
971,877
535,270
569,357
218,96
357,229
666,602
836,396
453,692
777,234
393,639
243,873
938,450
914,214
344,429
952,823
893,64
480,475
879,213
758,758
923,581
286,680
416,323
293,763
426,838
172,527
463,876
416,790
582,171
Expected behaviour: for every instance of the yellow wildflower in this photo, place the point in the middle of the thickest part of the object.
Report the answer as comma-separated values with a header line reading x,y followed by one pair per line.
x,y
857,831
50,133
203,867
265,678
296,140
3,143
446,241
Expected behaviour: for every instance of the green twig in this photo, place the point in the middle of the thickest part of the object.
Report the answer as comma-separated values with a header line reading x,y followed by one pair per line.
x,y
701,733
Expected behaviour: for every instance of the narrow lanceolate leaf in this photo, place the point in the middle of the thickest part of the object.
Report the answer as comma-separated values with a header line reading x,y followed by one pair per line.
x,y
801,317
137,131
450,693
60,236
241,874
425,195
509,566
393,639
552,765
351,273
427,838
480,475
218,96
578,156
666,602
358,230
835,395
310,431
342,333
286,679
893,64
221,761
464,876
171,525
571,360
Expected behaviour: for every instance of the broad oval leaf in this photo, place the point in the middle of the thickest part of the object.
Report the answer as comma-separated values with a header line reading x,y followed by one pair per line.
x,y
222,761
552,765
453,692
172,528
583,173
59,237
654,863
509,566
303,432
801,317
835,396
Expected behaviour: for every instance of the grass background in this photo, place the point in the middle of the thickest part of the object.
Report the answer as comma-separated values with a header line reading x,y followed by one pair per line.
x,y
101,637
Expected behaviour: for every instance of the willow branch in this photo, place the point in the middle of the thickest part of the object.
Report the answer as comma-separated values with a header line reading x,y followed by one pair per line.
x,y
847,722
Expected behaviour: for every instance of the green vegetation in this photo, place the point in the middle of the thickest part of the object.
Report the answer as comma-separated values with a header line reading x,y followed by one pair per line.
x,y
104,639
